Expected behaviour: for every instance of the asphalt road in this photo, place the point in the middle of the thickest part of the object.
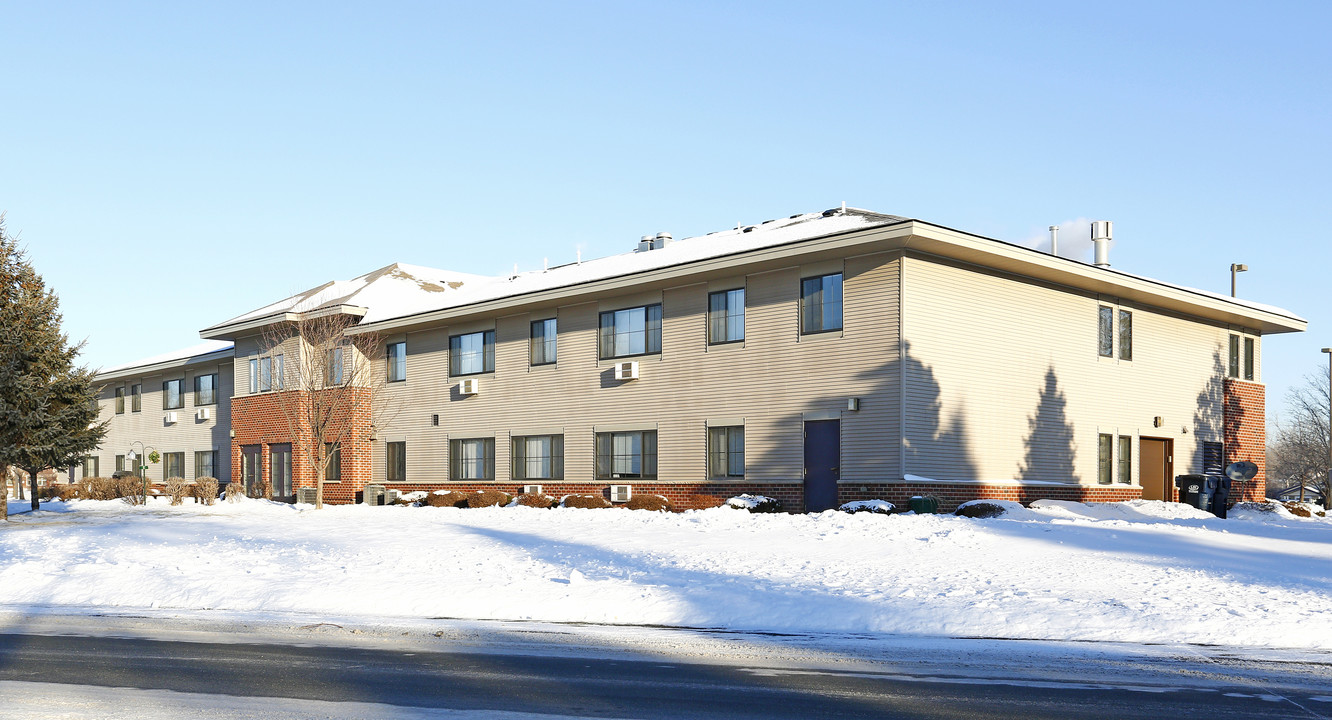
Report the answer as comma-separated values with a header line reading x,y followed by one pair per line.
x,y
584,687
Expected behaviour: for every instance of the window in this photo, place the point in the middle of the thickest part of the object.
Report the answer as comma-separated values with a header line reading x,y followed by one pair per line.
x,y
136,398
173,394
205,464
120,463
1105,337
472,459
173,465
396,461
538,457
1104,449
472,353
633,331
205,390
1125,460
91,466
1248,358
1125,335
278,372
821,304
397,361
335,366
1233,367
726,451
543,342
627,455
120,401
333,472
726,316
261,374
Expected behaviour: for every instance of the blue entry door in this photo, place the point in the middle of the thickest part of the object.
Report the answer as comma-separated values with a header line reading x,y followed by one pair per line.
x,y
823,458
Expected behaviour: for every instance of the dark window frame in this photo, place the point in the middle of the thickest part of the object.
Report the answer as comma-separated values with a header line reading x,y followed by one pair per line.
x,y
721,450
180,394
487,459
170,459
199,455
807,303
199,400
722,316
92,466
540,341
136,397
333,452
336,369
1124,460
120,400
1105,449
395,469
1124,335
1105,331
605,455
395,364
1233,357
518,452
1249,352
606,332
487,353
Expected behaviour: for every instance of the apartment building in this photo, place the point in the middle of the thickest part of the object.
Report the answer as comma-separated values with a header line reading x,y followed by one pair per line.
x,y
818,358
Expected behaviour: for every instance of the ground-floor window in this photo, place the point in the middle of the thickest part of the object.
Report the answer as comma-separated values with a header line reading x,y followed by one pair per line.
x,y
396,461
1104,457
120,464
472,459
333,471
1125,459
726,451
627,455
538,457
173,465
91,465
205,463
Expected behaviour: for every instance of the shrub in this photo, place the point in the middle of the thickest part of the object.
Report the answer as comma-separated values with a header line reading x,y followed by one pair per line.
x,y
755,503
47,493
235,491
877,507
1297,509
534,500
99,488
488,498
177,488
205,490
448,499
654,503
70,492
586,502
979,509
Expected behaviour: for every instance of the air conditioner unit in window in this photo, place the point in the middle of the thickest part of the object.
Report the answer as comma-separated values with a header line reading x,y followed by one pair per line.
x,y
621,493
531,489
373,495
626,371
203,414
307,496
172,417
471,386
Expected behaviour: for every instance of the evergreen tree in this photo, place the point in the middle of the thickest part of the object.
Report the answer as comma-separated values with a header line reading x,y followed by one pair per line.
x,y
48,406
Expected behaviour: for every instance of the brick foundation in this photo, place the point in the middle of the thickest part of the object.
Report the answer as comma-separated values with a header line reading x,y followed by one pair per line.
x,y
1246,435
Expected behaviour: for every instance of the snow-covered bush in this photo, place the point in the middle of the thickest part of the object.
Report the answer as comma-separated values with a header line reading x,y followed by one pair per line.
x,y
1297,509
446,498
980,509
488,498
205,490
533,500
586,502
755,503
177,488
654,503
878,507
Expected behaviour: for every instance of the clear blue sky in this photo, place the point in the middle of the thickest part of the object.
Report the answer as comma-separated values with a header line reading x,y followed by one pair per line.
x,y
172,165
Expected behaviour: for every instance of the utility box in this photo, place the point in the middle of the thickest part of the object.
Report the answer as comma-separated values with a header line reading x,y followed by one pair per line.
x,y
373,495
923,504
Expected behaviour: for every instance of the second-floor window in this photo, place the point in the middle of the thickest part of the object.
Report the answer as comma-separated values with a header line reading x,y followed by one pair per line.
x,y
726,316
1125,335
632,331
821,303
1240,366
397,361
472,353
543,341
1248,358
261,373
335,366
173,394
1105,331
136,398
120,401
205,389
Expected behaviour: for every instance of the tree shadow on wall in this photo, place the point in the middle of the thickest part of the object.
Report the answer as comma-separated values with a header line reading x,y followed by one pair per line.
x,y
1050,444
1209,414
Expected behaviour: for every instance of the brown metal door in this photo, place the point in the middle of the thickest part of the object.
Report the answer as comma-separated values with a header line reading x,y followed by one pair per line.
x,y
1154,457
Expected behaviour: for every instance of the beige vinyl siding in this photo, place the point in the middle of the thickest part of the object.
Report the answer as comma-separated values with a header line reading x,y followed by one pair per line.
x,y
983,347
770,380
187,435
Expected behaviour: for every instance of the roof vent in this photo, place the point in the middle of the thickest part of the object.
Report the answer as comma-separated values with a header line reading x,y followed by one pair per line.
x,y
644,243
663,239
1101,231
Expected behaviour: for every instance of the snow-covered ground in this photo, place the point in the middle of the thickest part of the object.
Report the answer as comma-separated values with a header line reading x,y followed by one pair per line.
x,y
1130,572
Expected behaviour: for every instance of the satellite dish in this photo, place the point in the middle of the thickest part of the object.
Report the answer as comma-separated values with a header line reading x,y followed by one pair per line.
x,y
1242,470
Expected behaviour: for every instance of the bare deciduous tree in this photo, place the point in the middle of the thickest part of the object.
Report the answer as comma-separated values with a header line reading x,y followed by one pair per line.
x,y
1298,452
332,391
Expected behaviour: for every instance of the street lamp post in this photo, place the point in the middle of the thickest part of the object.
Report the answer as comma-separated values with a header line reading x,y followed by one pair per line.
x,y
1235,269
142,467
1327,501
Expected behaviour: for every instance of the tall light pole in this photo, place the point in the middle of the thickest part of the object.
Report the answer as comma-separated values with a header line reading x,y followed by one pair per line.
x,y
1327,502
141,467
1235,269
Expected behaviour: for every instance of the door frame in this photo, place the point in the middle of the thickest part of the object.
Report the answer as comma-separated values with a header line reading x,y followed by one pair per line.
x,y
1167,483
805,459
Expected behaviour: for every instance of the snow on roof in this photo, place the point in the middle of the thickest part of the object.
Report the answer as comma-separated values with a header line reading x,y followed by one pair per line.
x,y
207,347
1219,296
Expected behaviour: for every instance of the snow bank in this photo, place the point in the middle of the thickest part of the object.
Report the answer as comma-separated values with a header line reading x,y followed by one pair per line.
x,y
1133,572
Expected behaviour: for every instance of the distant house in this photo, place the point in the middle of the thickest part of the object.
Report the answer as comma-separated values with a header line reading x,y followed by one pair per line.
x,y
819,358
1292,494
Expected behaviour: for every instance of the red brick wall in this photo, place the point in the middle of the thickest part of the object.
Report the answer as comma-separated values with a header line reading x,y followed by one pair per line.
x,y
1246,435
259,420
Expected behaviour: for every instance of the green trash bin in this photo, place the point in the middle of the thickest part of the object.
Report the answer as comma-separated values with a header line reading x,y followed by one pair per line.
x,y
922,504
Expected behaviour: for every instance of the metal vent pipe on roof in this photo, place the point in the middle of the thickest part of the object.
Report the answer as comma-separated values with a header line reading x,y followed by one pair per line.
x,y
1054,239
1101,232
